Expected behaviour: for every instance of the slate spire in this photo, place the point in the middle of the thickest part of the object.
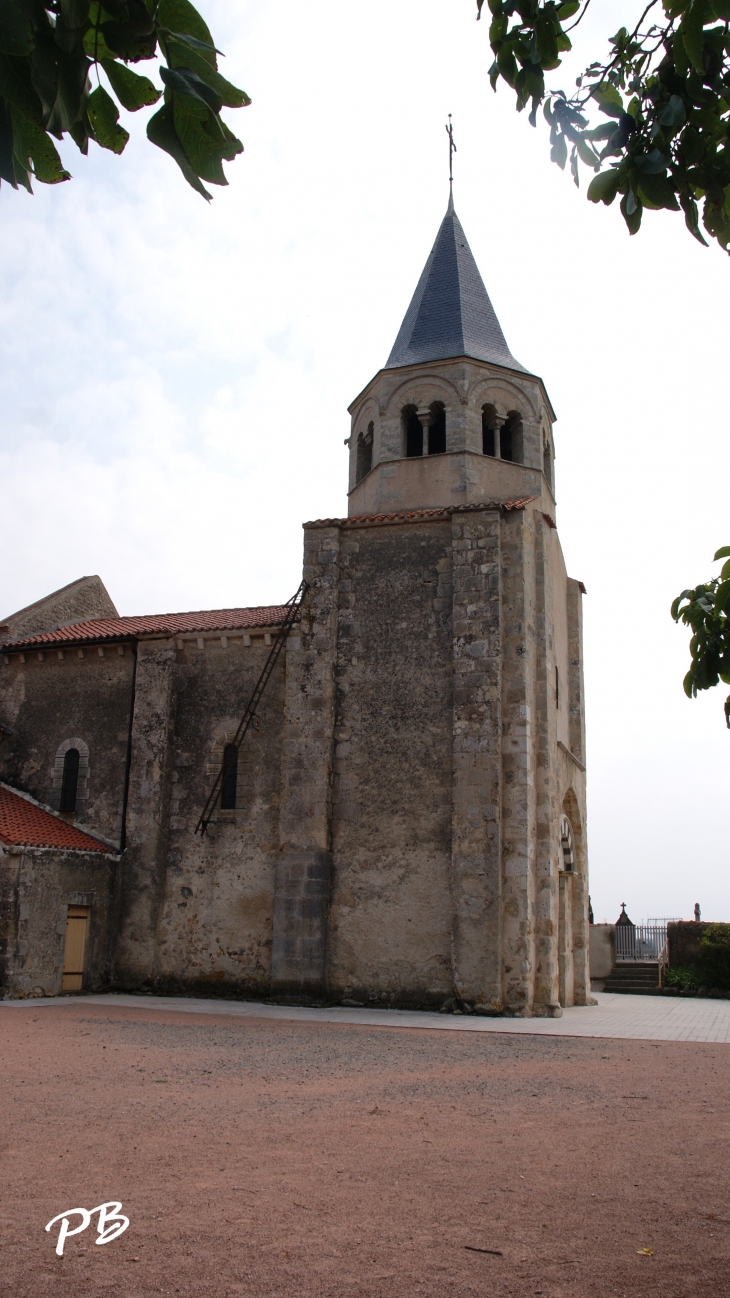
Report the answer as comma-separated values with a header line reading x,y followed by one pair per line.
x,y
450,313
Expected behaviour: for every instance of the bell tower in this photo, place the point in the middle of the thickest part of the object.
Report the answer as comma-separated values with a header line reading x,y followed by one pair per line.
x,y
452,419
433,766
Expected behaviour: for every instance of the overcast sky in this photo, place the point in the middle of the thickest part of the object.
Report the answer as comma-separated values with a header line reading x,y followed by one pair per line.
x,y
175,376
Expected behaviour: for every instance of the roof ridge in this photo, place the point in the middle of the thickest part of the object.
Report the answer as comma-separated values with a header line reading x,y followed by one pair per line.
x,y
404,515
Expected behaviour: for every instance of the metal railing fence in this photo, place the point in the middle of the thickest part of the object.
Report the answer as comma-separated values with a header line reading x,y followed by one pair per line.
x,y
640,941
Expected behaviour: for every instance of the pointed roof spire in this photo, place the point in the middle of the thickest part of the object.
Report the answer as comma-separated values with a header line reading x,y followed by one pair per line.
x,y
450,313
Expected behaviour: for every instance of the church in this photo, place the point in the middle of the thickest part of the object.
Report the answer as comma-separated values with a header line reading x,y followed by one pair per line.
x,y
374,794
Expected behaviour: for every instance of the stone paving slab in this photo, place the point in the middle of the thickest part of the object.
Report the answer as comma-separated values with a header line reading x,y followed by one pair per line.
x,y
644,1018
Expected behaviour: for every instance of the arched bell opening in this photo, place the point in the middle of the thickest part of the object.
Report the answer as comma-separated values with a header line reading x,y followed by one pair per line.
x,y
364,452
412,432
437,429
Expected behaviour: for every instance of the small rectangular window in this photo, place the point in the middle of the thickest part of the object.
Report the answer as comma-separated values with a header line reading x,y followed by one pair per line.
x,y
557,688
230,778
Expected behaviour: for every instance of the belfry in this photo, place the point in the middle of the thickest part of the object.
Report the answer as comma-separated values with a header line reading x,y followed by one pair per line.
x,y
405,823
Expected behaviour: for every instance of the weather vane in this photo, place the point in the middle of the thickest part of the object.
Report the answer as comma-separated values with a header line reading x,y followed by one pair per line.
x,y
452,151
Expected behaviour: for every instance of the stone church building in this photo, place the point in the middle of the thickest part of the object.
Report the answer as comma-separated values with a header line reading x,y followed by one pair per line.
x,y
404,820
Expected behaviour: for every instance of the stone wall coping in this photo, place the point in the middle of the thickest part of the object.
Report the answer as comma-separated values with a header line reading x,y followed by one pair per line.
x,y
419,515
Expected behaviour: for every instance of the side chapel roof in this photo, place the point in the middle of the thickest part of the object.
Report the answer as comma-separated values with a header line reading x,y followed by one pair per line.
x,y
450,313
161,624
24,824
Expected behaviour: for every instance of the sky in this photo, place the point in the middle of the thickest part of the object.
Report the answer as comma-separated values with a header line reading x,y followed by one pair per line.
x,y
175,375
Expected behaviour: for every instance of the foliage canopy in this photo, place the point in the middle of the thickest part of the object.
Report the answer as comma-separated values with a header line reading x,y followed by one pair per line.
x,y
47,51
664,87
715,955
705,609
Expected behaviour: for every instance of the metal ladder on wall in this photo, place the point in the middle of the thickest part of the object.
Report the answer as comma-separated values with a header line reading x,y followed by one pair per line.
x,y
292,608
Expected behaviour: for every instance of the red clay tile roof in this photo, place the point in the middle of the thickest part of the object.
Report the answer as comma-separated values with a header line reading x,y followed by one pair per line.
x,y
407,515
24,824
162,624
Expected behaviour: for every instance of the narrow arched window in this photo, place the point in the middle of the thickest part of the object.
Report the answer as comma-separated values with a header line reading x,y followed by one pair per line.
x,y
547,463
567,854
489,425
364,453
230,778
413,432
511,438
437,431
70,782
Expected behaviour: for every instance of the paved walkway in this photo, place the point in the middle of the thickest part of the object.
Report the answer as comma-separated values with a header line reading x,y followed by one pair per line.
x,y
645,1018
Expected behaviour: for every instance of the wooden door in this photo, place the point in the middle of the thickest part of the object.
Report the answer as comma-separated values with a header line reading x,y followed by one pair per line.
x,y
77,920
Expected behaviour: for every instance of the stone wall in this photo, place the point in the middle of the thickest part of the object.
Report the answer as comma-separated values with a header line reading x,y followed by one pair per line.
x,y
397,829
80,601
197,912
602,950
36,888
62,694
390,930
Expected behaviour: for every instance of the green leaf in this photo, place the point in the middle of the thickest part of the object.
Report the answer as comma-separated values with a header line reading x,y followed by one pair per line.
x,y
40,149
130,40
586,153
206,140
691,30
95,45
7,157
498,28
722,596
203,151
186,82
559,151
656,191
674,7
546,41
132,90
16,33
104,119
161,131
691,216
179,16
673,113
188,41
567,10
722,553
631,209
652,164
74,13
721,9
230,95
15,86
507,63
608,99
67,112
604,187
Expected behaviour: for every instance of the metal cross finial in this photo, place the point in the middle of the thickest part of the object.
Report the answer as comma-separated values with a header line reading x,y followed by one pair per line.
x,y
452,151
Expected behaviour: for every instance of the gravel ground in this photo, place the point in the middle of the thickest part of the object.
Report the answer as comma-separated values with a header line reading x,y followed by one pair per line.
x,y
256,1157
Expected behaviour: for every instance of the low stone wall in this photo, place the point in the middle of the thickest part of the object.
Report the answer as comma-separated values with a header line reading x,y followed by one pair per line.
x,y
602,949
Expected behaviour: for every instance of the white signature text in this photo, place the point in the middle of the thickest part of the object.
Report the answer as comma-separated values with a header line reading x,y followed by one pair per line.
x,y
111,1223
